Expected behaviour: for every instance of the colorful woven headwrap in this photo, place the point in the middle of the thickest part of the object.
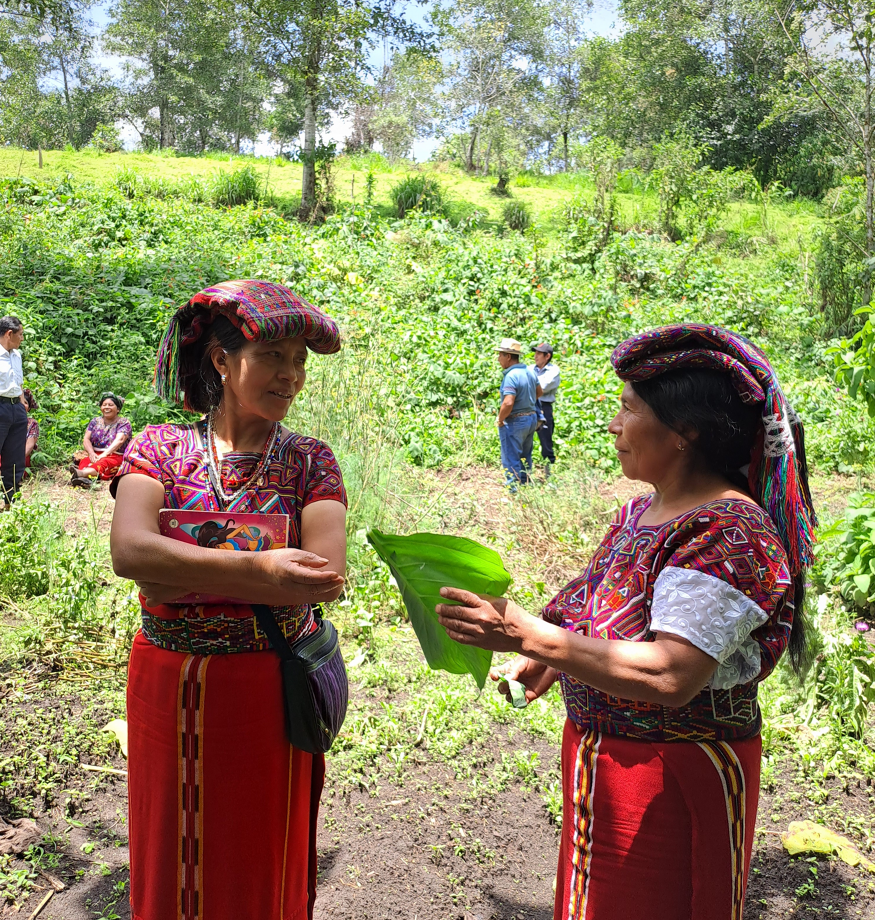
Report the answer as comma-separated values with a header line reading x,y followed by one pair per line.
x,y
777,475
261,310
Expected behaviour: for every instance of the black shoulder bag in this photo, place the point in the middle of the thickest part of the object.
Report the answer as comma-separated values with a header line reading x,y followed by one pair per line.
x,y
315,685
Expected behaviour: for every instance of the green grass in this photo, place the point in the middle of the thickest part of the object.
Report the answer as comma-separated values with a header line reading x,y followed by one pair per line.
x,y
544,195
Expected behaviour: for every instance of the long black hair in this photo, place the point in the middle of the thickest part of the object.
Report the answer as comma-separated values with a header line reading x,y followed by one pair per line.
x,y
703,407
198,377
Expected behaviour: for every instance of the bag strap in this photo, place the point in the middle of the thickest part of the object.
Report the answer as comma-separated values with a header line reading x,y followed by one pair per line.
x,y
270,627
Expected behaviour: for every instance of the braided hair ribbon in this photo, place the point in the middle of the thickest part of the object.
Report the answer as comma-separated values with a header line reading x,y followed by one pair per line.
x,y
777,474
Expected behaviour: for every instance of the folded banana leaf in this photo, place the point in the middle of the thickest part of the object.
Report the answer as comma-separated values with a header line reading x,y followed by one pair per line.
x,y
422,564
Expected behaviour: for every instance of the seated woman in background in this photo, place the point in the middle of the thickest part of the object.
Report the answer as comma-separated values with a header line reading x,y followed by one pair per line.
x,y
32,427
104,443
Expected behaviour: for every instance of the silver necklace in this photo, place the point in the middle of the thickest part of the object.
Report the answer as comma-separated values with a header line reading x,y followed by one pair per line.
x,y
256,479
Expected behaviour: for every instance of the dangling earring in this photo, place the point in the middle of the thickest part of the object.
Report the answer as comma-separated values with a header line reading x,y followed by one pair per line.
x,y
680,446
224,378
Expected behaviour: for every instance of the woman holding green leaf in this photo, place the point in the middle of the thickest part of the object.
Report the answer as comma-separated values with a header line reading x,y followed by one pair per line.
x,y
693,595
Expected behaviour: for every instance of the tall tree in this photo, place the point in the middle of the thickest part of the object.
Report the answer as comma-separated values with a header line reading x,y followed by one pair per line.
x,y
405,106
494,48
51,91
565,71
834,66
323,46
189,62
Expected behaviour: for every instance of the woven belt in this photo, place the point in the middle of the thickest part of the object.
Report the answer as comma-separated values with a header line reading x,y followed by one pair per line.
x,y
222,635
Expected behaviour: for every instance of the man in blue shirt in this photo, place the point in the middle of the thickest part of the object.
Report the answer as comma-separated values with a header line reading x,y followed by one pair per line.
x,y
548,376
517,420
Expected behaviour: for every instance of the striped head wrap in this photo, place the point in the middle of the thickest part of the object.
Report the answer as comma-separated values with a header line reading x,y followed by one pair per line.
x,y
777,475
261,310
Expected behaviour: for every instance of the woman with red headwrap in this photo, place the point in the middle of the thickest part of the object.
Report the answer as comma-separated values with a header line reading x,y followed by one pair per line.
x,y
222,808
693,595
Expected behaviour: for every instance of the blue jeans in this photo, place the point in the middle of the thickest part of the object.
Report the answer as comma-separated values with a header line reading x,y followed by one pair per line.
x,y
517,435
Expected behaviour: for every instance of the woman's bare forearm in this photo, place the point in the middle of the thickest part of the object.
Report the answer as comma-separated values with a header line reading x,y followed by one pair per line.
x,y
668,672
150,557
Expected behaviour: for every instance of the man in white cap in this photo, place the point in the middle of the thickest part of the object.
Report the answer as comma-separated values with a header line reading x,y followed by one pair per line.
x,y
517,419
548,376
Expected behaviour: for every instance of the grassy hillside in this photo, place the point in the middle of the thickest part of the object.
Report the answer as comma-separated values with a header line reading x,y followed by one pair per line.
x,y
97,261
545,195
98,252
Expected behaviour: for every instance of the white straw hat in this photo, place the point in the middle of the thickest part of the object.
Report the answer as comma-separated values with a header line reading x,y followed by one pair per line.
x,y
510,347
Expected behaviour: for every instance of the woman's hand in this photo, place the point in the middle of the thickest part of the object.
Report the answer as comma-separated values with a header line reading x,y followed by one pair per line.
x,y
537,678
155,595
493,623
299,576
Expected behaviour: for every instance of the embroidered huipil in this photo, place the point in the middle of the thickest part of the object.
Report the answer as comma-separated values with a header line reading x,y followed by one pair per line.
x,y
718,577
210,765
102,435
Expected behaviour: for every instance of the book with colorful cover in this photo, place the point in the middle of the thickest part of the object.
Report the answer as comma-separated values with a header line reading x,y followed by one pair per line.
x,y
224,530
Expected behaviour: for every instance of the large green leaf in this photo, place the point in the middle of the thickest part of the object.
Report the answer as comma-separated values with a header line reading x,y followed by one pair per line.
x,y
422,564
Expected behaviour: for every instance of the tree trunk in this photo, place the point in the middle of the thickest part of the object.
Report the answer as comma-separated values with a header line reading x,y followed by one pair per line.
x,y
565,156
469,162
870,216
486,158
67,100
870,186
165,138
308,175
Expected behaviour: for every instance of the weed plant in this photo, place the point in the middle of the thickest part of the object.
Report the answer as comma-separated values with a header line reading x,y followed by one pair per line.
x,y
419,192
516,215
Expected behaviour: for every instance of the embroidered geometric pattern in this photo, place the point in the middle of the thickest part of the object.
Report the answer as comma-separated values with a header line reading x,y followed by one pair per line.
x,y
222,634
584,789
729,539
729,768
301,471
192,679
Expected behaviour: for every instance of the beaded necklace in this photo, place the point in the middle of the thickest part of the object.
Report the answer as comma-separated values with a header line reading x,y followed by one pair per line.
x,y
255,481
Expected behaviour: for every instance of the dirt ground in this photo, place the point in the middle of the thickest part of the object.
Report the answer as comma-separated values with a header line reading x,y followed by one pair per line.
x,y
421,848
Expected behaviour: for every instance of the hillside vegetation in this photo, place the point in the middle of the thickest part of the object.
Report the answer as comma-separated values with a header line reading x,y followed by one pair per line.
x,y
98,252
96,265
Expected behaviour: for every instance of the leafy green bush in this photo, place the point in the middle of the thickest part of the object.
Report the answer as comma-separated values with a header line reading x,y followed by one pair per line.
x,y
601,156
420,192
843,273
841,681
849,548
106,139
29,534
516,215
229,189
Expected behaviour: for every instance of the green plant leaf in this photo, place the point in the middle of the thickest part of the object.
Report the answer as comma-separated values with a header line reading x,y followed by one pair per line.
x,y
422,564
862,582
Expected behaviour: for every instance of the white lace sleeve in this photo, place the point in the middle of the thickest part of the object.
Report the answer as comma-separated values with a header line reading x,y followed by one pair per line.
x,y
713,616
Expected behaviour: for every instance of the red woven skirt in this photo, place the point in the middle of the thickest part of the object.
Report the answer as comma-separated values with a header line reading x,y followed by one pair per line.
x,y
222,808
657,830
106,466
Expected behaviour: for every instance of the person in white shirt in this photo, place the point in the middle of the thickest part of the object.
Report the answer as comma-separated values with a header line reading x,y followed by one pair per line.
x,y
13,409
548,377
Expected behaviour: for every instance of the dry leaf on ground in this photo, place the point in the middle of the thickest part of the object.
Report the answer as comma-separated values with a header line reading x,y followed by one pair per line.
x,y
120,729
17,835
808,837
